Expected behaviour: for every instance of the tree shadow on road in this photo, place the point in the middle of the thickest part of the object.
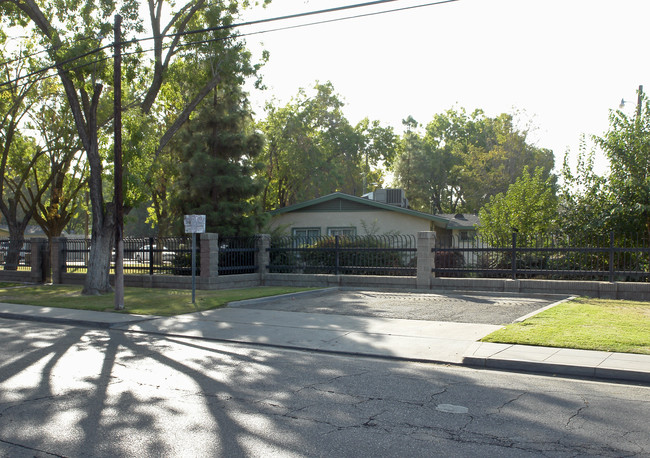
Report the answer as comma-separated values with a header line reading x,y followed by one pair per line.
x,y
68,391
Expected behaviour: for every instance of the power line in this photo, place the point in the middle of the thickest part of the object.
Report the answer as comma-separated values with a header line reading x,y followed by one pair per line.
x,y
42,51
327,21
296,26
16,59
277,29
225,27
55,65
313,13
305,14
231,26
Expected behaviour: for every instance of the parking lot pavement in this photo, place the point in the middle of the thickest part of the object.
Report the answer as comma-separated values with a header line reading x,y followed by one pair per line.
x,y
479,308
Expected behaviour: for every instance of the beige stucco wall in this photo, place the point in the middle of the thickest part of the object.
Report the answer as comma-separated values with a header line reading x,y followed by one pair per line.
x,y
367,222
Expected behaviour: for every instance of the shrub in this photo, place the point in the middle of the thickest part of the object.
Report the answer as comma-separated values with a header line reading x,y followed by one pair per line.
x,y
449,260
182,263
356,255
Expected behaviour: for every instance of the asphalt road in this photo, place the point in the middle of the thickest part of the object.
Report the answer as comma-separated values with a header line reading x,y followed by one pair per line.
x,y
78,392
482,308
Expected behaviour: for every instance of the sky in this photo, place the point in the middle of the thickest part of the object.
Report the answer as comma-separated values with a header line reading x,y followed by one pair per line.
x,y
562,64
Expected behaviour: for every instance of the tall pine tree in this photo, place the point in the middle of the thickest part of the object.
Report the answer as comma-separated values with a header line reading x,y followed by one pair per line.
x,y
219,149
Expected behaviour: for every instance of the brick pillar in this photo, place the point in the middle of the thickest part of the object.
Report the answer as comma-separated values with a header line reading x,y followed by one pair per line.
x,y
36,258
57,258
426,259
209,255
263,257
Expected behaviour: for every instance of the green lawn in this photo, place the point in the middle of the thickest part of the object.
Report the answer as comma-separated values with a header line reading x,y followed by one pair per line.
x,y
143,301
585,323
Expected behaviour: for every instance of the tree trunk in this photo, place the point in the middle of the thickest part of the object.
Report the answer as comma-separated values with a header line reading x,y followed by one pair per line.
x,y
101,240
101,243
12,258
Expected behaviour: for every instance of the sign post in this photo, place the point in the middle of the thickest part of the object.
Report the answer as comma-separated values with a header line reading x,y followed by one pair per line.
x,y
194,224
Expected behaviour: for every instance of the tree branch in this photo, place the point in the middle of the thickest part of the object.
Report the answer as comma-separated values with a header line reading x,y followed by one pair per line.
x,y
185,115
160,65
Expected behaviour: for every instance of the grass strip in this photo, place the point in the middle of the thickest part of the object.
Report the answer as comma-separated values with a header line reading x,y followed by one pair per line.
x,y
140,301
584,323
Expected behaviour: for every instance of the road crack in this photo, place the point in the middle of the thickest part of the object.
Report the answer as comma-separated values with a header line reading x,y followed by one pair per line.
x,y
25,447
578,412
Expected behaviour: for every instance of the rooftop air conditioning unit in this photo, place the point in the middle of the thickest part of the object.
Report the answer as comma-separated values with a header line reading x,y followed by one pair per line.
x,y
388,196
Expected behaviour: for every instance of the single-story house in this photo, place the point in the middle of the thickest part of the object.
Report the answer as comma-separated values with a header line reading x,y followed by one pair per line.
x,y
31,231
381,212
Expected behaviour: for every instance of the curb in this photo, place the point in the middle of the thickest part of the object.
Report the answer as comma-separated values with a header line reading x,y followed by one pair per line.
x,y
543,309
557,369
261,300
49,319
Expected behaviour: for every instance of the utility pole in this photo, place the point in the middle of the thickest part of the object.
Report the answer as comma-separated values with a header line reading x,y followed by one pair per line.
x,y
119,210
639,101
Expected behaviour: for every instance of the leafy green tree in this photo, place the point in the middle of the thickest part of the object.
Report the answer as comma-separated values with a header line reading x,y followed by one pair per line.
x,y
62,166
424,168
66,29
585,203
462,160
218,160
627,146
528,206
306,141
377,146
41,176
409,148
73,31
19,153
312,150
17,183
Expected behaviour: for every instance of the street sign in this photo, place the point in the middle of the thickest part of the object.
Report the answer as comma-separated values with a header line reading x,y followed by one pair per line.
x,y
194,224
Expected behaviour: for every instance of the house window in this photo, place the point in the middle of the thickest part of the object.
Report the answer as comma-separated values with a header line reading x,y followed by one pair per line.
x,y
343,231
466,236
306,232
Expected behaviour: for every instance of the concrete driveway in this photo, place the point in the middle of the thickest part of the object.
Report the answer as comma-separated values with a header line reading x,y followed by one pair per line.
x,y
478,308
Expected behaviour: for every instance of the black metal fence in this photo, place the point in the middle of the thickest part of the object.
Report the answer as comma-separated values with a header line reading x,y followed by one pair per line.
x,y
168,255
142,255
237,255
610,258
344,255
16,258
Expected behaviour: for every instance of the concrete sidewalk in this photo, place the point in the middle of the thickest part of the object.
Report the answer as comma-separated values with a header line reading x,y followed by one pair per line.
x,y
382,337
412,340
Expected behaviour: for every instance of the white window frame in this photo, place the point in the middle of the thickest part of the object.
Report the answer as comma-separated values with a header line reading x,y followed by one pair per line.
x,y
342,231
308,231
